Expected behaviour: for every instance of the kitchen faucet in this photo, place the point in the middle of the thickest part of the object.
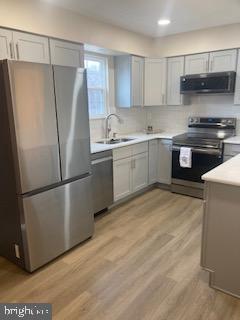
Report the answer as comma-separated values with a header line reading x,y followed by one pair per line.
x,y
107,126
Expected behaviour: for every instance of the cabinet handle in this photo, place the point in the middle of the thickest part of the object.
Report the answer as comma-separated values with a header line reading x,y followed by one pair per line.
x,y
17,51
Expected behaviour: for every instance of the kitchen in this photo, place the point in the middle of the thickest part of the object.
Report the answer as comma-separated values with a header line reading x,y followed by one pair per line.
x,y
143,257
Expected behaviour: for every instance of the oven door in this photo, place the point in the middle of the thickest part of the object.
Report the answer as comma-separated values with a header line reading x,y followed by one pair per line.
x,y
203,160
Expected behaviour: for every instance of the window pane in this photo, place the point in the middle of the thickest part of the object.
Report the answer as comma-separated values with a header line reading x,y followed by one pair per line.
x,y
96,101
95,73
96,81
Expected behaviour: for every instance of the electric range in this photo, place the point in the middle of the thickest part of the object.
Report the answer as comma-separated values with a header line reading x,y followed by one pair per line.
x,y
205,137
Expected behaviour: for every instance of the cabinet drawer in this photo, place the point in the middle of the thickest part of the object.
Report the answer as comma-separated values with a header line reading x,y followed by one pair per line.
x,y
139,148
121,153
231,149
153,143
166,141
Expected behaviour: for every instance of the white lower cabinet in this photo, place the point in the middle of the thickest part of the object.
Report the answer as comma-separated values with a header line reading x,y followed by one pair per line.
x,y
165,161
139,165
130,170
140,172
230,150
122,178
153,162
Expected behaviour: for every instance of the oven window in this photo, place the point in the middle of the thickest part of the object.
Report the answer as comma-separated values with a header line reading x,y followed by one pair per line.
x,y
201,163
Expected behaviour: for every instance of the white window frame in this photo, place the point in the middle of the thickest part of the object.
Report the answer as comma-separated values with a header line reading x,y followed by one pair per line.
x,y
103,59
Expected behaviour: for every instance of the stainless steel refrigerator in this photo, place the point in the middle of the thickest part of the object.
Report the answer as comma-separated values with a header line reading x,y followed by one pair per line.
x,y
45,171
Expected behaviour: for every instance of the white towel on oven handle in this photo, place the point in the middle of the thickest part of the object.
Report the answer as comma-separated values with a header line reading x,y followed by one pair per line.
x,y
185,157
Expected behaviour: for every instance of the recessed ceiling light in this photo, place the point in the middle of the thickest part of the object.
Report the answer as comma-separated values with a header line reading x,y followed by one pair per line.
x,y
163,22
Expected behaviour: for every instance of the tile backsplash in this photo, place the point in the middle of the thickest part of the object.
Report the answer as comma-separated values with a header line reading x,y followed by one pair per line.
x,y
174,118
170,118
134,120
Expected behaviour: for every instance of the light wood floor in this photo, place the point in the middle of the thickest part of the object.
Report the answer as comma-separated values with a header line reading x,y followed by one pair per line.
x,y
143,263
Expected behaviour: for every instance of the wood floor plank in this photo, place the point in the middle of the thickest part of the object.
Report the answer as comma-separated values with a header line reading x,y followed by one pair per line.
x,y
143,263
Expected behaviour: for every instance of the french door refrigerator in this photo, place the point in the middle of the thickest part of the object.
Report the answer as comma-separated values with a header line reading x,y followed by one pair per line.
x,y
45,172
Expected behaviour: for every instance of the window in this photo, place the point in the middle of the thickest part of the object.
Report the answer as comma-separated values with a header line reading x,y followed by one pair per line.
x,y
97,85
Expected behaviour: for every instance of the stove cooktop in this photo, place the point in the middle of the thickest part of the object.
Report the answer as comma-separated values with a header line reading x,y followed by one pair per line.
x,y
207,140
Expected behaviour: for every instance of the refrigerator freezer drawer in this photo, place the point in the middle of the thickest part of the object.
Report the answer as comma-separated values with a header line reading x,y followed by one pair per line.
x,y
57,220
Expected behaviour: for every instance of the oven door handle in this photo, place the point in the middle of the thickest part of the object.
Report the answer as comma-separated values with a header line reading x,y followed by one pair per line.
x,y
214,152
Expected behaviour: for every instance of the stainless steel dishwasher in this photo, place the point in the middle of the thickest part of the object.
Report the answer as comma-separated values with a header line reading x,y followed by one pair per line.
x,y
102,180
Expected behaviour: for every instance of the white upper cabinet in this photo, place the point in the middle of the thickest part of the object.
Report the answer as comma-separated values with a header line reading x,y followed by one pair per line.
x,y
5,44
175,69
32,48
137,81
237,86
155,82
64,53
196,63
221,61
129,72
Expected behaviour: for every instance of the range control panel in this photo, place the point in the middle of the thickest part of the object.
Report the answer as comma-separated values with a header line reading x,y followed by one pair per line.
x,y
211,121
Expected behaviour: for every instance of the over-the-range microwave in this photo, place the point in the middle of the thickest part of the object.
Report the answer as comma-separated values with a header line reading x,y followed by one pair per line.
x,y
205,83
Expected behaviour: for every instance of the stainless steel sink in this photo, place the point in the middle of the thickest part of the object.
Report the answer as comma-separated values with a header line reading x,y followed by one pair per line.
x,y
114,141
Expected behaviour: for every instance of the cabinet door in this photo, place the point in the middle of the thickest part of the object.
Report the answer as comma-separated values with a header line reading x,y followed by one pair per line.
x,y
122,178
155,82
221,61
153,162
64,53
5,44
175,71
196,63
237,86
122,69
31,48
140,171
165,161
137,81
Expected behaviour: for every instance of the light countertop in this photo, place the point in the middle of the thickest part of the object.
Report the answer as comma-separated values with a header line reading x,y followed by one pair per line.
x,y
233,140
137,138
226,173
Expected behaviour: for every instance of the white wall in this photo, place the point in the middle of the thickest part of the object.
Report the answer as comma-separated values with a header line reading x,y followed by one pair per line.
x,y
217,38
43,18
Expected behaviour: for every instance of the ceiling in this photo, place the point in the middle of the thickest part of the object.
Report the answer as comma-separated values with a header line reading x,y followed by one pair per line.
x,y
142,15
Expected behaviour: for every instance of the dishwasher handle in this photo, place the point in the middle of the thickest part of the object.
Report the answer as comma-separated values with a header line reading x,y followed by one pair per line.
x,y
101,160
